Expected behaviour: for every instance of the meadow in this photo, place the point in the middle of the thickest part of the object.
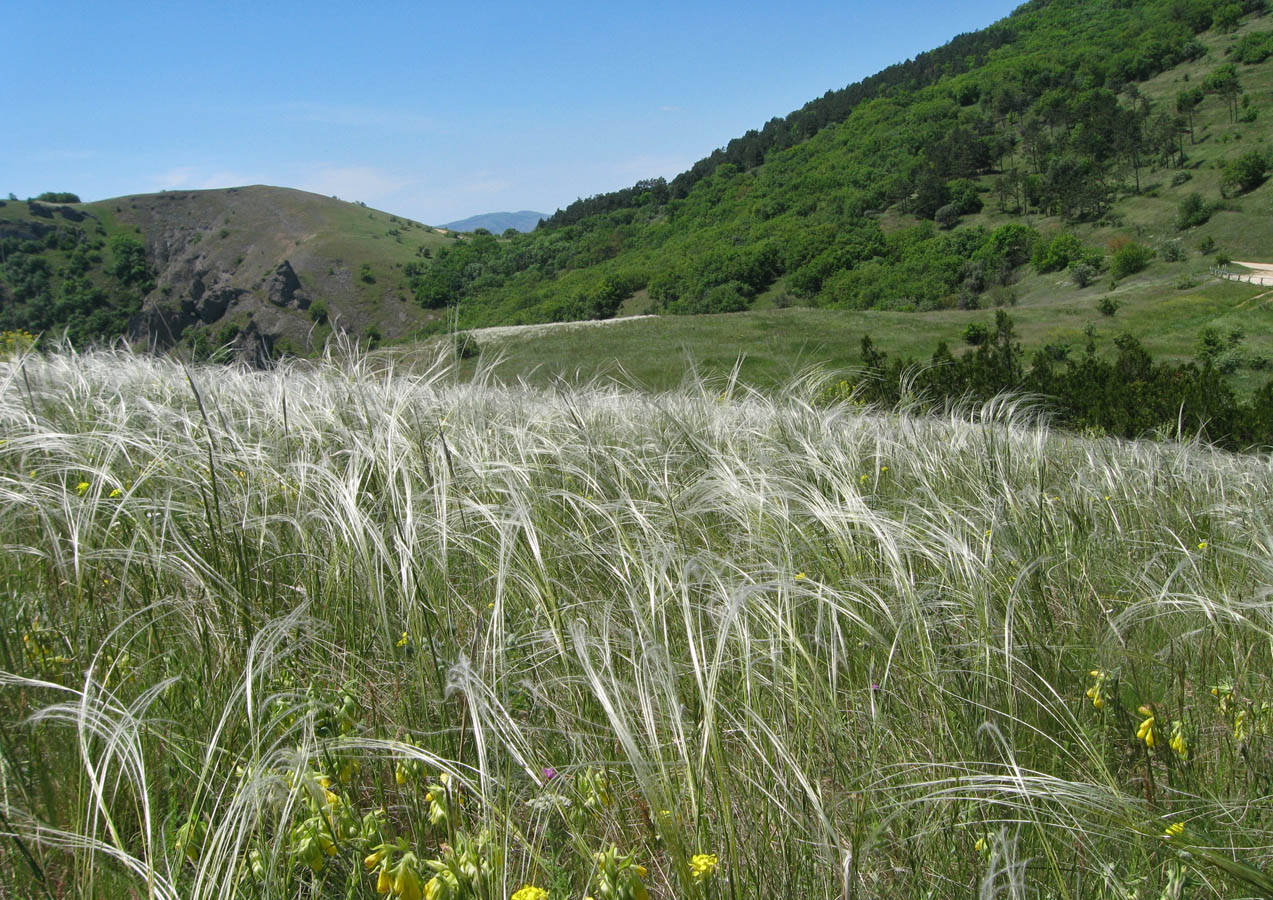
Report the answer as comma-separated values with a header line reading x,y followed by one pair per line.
x,y
342,630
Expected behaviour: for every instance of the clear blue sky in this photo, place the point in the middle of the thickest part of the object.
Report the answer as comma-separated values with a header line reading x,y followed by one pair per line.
x,y
431,110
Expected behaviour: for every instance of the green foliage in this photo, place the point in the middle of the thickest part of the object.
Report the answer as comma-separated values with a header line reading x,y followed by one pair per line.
x,y
1245,173
1226,17
1129,259
1192,212
1254,47
128,262
57,197
975,334
1083,273
1060,252
947,216
365,274
1108,306
1128,395
1053,115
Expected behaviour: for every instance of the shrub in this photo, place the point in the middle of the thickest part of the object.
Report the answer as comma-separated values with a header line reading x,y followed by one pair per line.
x,y
1192,212
1083,274
965,197
975,334
1058,253
318,312
947,216
1254,47
466,345
1129,259
58,197
1226,17
1108,306
1173,252
1243,174
365,274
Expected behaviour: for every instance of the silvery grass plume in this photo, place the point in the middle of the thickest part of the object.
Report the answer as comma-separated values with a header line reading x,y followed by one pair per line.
x,y
359,624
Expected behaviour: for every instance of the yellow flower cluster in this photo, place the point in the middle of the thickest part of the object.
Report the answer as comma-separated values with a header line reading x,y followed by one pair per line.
x,y
401,877
1146,732
1177,741
14,342
1097,691
702,865
529,892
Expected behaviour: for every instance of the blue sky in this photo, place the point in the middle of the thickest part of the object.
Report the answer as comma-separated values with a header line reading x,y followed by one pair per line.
x,y
435,111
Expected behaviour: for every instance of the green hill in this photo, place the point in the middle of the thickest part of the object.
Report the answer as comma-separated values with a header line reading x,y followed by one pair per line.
x,y
1093,143
257,268
1071,152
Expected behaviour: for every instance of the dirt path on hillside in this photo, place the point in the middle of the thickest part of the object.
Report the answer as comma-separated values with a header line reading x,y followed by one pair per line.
x,y
503,332
1261,273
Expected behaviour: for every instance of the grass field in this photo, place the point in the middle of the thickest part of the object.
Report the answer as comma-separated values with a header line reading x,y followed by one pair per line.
x,y
776,345
335,628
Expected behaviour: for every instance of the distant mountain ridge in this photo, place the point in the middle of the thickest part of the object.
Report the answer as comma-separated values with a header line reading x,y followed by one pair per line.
x,y
499,222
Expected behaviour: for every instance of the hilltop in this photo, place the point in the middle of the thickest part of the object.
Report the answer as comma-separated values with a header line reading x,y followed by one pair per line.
x,y
261,269
499,222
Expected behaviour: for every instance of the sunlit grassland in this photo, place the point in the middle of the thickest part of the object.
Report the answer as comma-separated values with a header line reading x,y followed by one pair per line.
x,y
846,652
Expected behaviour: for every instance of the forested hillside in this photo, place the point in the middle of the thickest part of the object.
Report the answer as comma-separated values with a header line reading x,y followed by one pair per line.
x,y
1089,139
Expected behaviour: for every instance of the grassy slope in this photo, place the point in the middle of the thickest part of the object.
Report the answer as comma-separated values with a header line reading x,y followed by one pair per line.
x,y
239,236
326,240
1158,305
774,344
817,644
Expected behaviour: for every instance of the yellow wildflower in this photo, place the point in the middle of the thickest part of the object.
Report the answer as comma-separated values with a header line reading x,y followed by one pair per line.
x,y
1146,732
1177,741
1202,545
1097,691
801,576
529,892
81,488
1175,829
702,865
1223,693
115,492
1239,726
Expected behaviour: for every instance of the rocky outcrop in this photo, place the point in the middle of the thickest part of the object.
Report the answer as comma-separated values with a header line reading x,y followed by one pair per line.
x,y
254,347
283,288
